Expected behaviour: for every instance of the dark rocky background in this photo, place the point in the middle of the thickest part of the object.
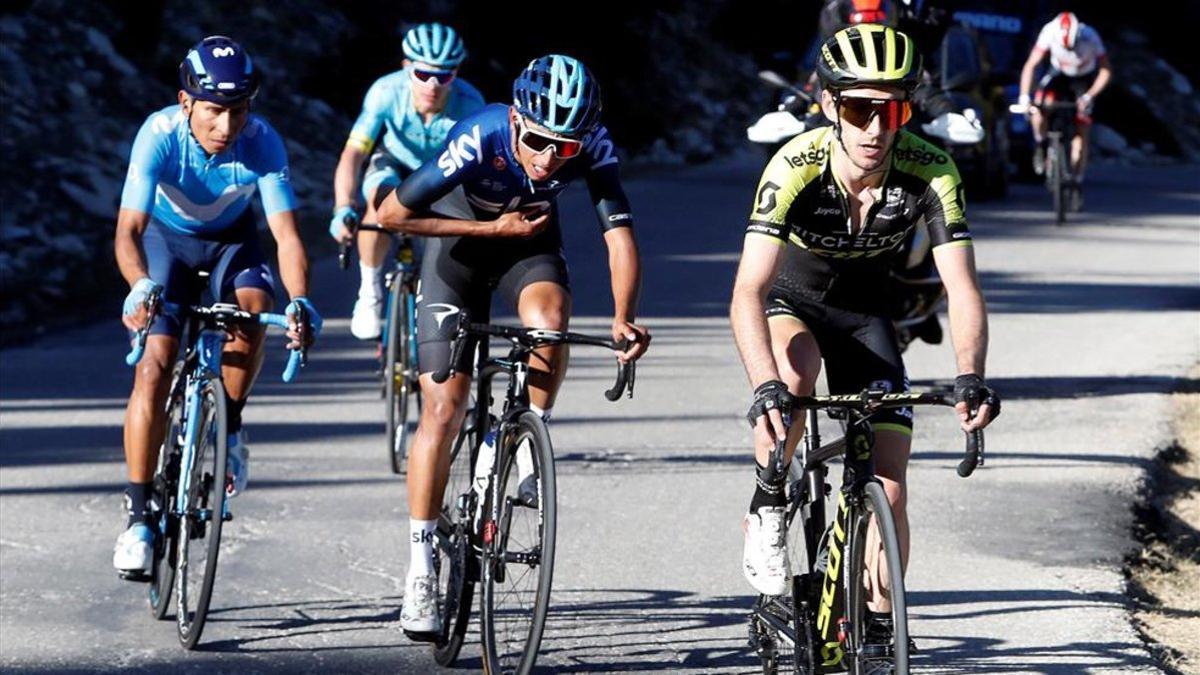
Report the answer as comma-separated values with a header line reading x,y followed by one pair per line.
x,y
79,76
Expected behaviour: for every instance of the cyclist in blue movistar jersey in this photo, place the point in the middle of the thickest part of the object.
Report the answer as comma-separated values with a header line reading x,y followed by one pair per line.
x,y
185,209
412,109
487,204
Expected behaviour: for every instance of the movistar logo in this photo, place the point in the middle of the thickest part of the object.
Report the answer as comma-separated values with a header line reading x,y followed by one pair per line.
x,y
222,51
441,311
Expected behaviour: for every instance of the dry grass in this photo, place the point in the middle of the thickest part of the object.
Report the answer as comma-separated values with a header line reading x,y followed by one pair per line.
x,y
1165,576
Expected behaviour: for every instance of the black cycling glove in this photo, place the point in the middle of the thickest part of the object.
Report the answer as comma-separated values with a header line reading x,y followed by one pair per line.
x,y
971,389
770,395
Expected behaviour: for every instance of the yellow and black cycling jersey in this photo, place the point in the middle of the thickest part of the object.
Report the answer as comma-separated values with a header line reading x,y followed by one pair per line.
x,y
799,201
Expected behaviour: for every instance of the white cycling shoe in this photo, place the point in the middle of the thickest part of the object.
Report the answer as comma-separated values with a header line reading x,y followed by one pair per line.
x,y
365,323
419,617
134,551
238,474
764,557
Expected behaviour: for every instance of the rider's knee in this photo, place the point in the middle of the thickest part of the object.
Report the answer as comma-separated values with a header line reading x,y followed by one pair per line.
x,y
441,411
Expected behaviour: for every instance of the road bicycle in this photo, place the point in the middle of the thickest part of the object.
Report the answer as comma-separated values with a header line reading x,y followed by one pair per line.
x,y
1061,182
495,528
398,344
824,625
189,501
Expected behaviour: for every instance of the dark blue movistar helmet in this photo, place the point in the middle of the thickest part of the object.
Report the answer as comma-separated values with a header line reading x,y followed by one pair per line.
x,y
218,70
559,93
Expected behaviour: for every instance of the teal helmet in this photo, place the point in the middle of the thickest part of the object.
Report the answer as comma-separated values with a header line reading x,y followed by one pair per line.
x,y
434,44
559,93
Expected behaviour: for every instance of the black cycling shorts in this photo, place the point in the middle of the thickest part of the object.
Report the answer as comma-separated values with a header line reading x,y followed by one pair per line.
x,y
859,350
461,272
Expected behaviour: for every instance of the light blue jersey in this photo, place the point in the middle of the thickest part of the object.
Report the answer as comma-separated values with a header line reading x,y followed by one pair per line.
x,y
173,179
388,107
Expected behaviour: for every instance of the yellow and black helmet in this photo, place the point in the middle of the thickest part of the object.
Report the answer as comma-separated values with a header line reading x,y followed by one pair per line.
x,y
869,54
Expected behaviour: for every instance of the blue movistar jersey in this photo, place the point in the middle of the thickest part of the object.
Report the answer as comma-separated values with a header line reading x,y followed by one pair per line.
x,y
476,176
173,179
388,109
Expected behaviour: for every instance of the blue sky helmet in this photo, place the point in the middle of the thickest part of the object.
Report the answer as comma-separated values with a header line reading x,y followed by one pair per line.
x,y
559,93
434,44
218,70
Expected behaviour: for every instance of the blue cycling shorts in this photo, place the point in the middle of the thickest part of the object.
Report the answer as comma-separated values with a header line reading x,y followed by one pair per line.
x,y
232,257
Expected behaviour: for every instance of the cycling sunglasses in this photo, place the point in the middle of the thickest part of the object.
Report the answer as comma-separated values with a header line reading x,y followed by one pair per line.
x,y
893,113
563,148
440,77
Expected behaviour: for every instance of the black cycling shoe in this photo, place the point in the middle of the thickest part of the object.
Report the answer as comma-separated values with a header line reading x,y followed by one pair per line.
x,y
880,636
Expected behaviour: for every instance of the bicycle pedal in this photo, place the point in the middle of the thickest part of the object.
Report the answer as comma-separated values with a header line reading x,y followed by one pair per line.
x,y
422,637
134,575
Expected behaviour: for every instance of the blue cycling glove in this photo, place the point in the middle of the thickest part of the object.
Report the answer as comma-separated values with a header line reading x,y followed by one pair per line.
x,y
340,216
314,319
138,295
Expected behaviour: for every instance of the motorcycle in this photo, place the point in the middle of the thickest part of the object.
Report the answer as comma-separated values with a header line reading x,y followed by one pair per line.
x,y
792,117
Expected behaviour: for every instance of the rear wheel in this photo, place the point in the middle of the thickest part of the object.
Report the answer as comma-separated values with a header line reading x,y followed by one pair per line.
x,y
518,550
875,649
400,375
199,540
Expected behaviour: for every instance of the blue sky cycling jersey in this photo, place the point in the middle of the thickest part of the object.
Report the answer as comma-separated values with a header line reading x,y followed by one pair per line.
x,y
173,179
388,106
476,177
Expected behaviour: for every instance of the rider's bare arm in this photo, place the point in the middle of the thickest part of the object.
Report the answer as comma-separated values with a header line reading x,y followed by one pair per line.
x,y
345,177
293,261
1103,75
394,215
747,311
625,270
967,309
131,258
1031,64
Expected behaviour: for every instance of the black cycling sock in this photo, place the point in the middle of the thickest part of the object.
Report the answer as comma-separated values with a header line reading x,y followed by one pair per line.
x,y
137,498
768,490
234,411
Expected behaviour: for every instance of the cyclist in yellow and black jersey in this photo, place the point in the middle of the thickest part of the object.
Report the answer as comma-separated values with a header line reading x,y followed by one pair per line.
x,y
801,201
831,212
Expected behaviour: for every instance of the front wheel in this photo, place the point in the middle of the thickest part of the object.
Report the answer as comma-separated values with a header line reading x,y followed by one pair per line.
x,y
518,548
400,374
165,484
199,541
1059,185
458,568
878,645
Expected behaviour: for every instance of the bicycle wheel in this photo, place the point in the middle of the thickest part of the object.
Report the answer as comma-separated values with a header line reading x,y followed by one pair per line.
x,y
1059,189
456,584
518,551
199,541
166,479
400,377
875,653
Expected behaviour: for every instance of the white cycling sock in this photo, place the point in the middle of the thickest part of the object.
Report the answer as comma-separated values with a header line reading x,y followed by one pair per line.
x,y
371,283
420,551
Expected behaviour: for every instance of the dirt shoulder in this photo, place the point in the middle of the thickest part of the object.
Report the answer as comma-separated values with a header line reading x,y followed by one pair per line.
x,y
1164,576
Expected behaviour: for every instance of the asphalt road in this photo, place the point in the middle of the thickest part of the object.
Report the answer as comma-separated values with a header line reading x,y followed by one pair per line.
x,y
1014,570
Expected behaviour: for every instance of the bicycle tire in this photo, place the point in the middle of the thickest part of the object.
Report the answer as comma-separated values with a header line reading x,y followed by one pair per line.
x,y
1060,183
455,583
398,375
875,659
166,479
203,514
511,646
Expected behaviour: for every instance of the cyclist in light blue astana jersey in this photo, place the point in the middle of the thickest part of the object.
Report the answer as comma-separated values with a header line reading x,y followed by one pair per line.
x,y
412,109
192,174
